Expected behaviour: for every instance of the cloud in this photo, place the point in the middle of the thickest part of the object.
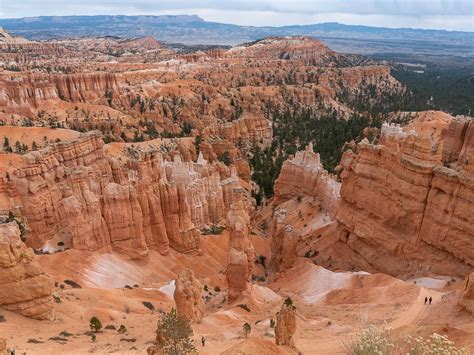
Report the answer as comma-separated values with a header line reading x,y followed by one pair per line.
x,y
446,14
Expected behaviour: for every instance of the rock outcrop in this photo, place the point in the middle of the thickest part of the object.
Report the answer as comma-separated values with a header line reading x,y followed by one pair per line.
x,y
187,296
24,287
241,256
467,297
406,203
73,192
304,175
285,325
283,243
402,206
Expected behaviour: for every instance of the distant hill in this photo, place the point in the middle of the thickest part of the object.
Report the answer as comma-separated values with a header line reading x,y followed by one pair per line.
x,y
194,30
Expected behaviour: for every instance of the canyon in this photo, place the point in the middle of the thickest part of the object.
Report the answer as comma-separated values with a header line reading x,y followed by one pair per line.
x,y
128,188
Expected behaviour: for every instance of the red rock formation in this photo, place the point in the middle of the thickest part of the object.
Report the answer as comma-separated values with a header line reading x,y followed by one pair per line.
x,y
24,287
467,297
304,175
241,257
404,212
283,243
285,325
187,296
73,192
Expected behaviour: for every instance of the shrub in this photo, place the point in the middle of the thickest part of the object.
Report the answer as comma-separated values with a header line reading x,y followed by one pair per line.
x,y
206,288
381,340
217,289
72,284
225,158
288,302
122,329
95,324
212,230
261,260
148,305
57,299
244,306
247,329
110,327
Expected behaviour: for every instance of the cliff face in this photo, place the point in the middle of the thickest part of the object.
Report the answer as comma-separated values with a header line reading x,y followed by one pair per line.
x,y
405,204
72,192
404,211
24,94
24,287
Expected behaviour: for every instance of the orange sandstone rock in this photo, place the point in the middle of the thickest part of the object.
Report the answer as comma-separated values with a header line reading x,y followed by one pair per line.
x,y
24,287
285,325
187,296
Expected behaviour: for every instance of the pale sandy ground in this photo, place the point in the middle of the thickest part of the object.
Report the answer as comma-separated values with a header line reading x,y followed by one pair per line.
x,y
330,305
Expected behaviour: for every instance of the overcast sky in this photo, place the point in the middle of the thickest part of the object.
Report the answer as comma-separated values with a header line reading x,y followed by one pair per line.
x,y
437,14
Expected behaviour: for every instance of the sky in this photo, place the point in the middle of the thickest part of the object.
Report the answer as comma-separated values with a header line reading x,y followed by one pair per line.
x,y
433,14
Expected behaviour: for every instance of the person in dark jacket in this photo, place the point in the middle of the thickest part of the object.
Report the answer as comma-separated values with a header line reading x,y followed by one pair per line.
x,y
431,299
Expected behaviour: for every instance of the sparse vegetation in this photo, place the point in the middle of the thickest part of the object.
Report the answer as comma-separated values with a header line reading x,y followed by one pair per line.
x,y
213,230
73,284
176,334
122,329
382,340
246,329
244,306
149,305
95,324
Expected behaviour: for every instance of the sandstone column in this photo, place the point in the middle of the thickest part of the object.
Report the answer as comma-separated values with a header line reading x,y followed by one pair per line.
x,y
187,296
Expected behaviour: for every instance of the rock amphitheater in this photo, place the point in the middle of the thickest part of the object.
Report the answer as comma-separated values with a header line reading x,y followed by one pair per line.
x,y
126,191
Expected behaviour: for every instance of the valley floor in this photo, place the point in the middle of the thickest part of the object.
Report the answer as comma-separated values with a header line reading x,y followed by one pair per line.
x,y
331,306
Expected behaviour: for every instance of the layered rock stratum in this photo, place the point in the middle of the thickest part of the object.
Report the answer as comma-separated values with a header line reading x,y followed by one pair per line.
x,y
73,193
24,287
403,206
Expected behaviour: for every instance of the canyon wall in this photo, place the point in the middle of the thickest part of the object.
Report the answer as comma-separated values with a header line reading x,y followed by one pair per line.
x,y
72,192
405,204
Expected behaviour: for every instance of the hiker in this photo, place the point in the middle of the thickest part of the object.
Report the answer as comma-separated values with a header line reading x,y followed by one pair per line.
x,y
426,300
431,299
203,341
